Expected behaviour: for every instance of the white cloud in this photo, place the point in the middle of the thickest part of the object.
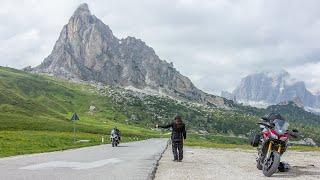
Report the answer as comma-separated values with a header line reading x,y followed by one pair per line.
x,y
215,43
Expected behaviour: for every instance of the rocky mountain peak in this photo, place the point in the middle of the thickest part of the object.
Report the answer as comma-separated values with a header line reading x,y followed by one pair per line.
x,y
273,88
88,50
81,17
82,10
295,101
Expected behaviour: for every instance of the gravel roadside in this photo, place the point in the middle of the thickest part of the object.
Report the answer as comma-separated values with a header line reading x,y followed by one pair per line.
x,y
233,164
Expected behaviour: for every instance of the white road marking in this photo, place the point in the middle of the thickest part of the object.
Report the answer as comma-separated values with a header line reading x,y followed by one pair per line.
x,y
72,165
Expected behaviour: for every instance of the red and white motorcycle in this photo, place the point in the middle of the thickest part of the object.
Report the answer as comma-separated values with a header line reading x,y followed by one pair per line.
x,y
272,144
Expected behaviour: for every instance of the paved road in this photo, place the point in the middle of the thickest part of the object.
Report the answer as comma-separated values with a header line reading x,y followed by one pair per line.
x,y
134,160
200,164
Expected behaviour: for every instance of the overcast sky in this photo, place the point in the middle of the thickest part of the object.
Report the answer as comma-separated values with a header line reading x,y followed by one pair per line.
x,y
213,42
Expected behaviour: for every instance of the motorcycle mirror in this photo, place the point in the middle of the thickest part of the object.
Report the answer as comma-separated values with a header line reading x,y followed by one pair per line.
x,y
295,130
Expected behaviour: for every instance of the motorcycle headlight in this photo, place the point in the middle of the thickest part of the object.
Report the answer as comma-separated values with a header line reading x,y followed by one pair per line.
x,y
280,131
274,136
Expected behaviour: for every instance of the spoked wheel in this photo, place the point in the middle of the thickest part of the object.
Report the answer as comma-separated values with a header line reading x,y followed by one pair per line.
x,y
270,165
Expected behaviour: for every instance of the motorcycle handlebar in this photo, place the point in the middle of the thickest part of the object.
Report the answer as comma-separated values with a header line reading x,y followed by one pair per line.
x,y
294,134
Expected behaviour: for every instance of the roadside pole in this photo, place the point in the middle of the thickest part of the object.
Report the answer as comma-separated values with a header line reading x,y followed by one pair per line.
x,y
74,118
74,131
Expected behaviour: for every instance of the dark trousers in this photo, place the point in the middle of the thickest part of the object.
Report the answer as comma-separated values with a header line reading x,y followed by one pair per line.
x,y
177,150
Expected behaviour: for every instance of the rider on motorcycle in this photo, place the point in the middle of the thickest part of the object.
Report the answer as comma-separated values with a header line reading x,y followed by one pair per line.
x,y
116,131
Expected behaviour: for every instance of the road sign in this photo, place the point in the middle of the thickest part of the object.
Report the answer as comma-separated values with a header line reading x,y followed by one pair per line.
x,y
75,117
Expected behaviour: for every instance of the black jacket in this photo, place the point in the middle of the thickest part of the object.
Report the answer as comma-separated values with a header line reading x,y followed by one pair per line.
x,y
116,131
178,131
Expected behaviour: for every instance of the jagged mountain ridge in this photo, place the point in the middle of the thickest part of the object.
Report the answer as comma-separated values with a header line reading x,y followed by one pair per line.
x,y
273,88
87,49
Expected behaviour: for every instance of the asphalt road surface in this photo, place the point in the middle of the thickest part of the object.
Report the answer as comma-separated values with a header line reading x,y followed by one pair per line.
x,y
136,160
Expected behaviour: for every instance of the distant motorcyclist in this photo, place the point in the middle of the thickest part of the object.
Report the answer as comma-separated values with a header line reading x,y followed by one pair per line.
x,y
116,131
177,136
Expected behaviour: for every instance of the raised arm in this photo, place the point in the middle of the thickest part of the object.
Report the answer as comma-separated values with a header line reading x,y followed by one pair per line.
x,y
165,126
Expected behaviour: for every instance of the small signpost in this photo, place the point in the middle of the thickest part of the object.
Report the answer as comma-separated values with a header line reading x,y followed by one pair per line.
x,y
74,118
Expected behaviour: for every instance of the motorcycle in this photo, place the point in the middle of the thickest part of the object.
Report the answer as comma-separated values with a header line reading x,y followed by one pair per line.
x,y
115,140
272,144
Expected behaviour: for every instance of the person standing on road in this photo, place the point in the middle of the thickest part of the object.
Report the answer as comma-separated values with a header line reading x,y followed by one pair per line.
x,y
177,136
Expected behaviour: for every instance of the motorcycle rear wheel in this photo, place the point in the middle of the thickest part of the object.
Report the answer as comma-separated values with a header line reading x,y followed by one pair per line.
x,y
270,165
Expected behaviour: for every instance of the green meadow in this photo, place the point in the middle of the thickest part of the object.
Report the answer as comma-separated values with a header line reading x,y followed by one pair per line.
x,y
35,112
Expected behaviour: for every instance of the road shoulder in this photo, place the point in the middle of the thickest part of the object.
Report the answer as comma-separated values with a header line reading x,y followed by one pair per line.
x,y
201,163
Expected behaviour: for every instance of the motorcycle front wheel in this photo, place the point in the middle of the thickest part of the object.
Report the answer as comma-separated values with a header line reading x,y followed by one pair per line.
x,y
270,165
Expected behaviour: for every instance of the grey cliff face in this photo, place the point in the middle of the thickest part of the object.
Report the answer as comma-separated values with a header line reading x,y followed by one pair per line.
x,y
274,88
227,95
87,49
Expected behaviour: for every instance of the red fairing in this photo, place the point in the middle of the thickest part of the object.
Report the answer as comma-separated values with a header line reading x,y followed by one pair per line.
x,y
270,132
284,137
266,134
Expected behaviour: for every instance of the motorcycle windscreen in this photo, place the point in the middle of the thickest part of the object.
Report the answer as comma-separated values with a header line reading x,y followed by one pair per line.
x,y
280,126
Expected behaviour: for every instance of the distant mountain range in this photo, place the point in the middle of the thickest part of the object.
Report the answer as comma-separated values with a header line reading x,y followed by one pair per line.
x,y
121,77
267,88
87,50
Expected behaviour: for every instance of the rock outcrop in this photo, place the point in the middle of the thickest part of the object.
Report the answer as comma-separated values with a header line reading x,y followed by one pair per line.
x,y
87,49
274,88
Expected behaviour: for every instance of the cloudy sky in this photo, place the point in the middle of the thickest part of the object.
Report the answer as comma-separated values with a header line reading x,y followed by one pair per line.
x,y
213,42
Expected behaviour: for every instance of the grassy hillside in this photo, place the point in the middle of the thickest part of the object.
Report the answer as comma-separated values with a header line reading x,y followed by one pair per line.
x,y
35,114
146,110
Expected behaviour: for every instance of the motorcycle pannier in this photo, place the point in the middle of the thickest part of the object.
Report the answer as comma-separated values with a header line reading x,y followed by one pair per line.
x,y
254,140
